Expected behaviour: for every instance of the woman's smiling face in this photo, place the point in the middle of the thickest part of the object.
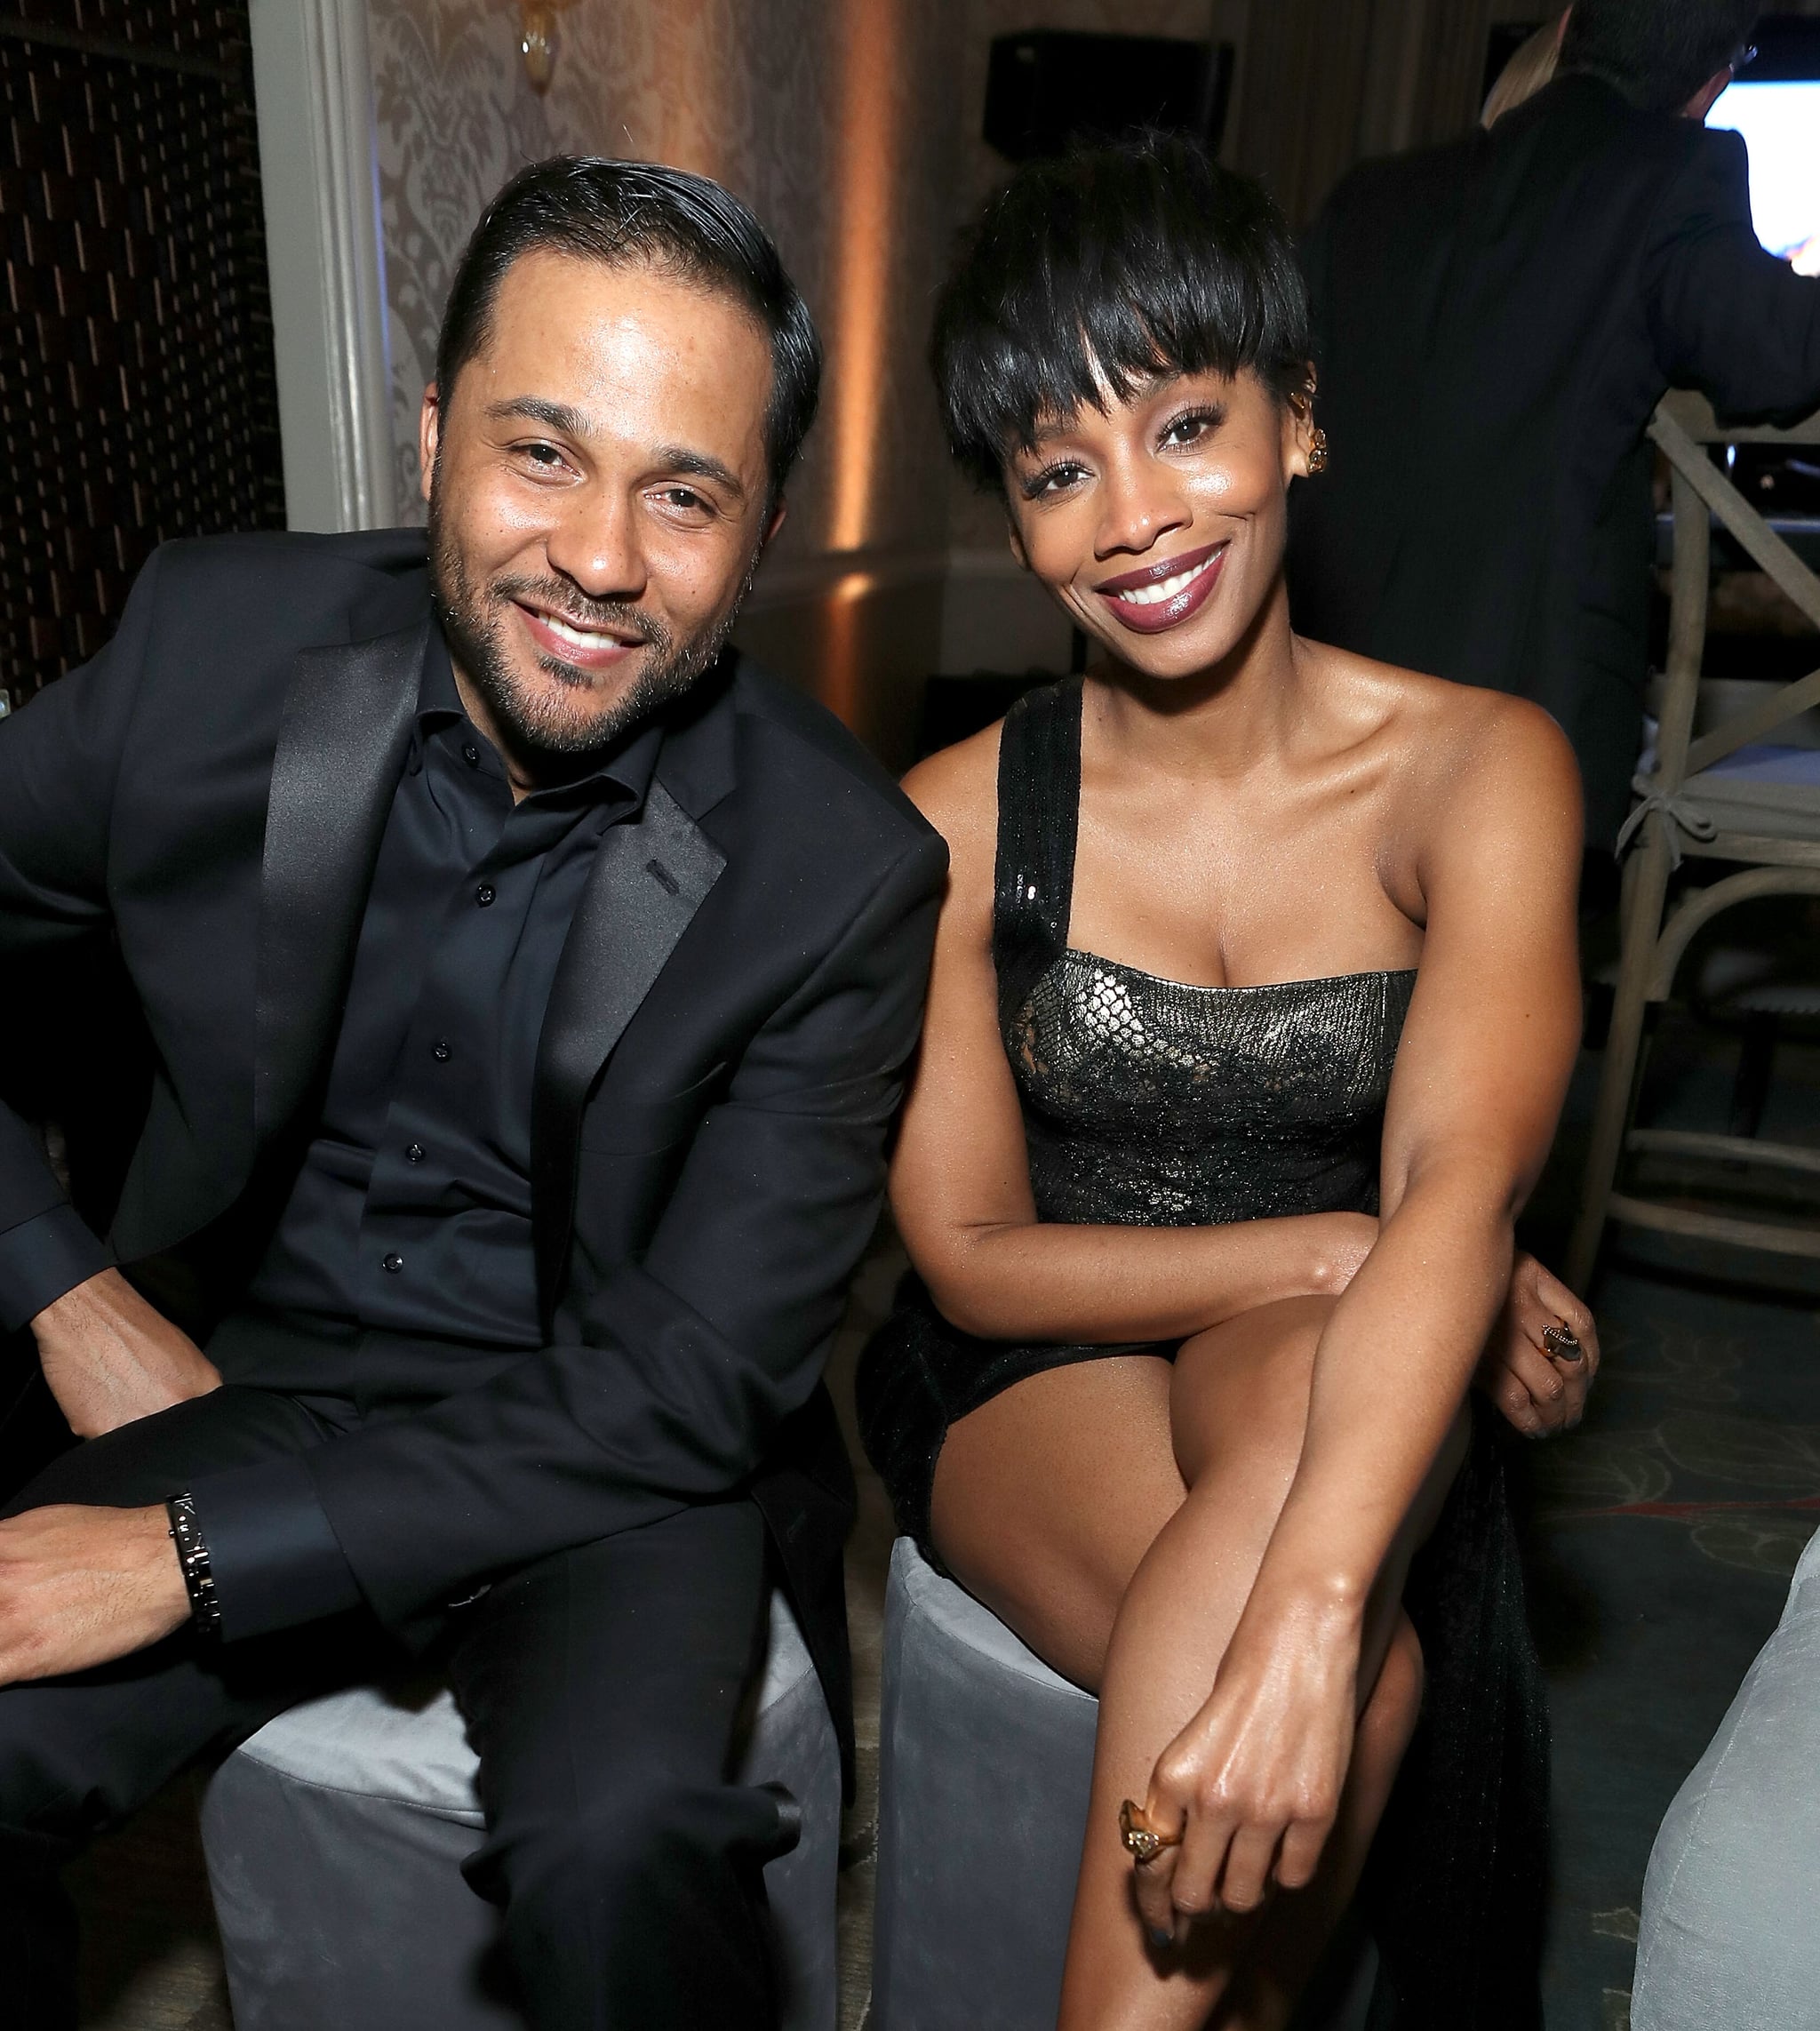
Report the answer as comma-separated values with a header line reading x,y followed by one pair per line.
x,y
1159,525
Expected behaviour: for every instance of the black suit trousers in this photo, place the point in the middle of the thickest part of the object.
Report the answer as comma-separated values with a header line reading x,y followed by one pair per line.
x,y
601,1688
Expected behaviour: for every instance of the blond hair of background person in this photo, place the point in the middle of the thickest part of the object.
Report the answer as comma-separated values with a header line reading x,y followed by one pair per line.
x,y
1530,66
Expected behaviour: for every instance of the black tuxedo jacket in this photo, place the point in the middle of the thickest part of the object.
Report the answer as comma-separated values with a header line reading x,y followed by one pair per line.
x,y
740,993
1495,320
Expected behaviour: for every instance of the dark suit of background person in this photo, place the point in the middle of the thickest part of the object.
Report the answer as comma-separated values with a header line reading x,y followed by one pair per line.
x,y
702,1161
1494,322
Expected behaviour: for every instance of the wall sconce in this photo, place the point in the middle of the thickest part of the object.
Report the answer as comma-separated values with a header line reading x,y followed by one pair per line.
x,y
537,39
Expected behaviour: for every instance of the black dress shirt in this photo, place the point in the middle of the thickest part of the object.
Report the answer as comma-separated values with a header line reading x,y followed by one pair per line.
x,y
409,1226
412,1213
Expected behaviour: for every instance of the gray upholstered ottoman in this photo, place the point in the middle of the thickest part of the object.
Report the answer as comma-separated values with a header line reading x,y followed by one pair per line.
x,y
1730,1932
985,1761
335,1836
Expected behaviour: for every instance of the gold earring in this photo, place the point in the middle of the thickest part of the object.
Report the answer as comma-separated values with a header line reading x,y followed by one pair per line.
x,y
1317,453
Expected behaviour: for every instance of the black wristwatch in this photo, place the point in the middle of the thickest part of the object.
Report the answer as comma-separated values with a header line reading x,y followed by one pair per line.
x,y
192,1556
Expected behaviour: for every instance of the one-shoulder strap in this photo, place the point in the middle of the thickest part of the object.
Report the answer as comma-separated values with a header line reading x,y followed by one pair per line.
x,y
1039,811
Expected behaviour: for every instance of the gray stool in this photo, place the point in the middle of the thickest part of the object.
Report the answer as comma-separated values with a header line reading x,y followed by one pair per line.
x,y
335,1834
986,1757
1730,1930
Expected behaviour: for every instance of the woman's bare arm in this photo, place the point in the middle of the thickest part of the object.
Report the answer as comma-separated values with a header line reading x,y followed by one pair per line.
x,y
961,1179
1479,1078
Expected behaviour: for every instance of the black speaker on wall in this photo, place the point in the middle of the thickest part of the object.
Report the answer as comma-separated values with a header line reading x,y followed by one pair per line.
x,y
1048,89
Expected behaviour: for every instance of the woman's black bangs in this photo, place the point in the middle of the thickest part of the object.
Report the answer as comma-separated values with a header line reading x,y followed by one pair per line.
x,y
1088,277
1072,337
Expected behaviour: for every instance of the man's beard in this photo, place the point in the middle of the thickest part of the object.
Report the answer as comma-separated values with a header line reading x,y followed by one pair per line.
x,y
472,624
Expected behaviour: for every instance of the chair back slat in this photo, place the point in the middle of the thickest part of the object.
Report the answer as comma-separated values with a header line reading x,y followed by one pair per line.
x,y
1754,723
1694,413
1689,580
1682,427
1756,537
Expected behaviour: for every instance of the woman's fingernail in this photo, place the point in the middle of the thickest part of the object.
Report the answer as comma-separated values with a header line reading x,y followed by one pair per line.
x,y
1161,1938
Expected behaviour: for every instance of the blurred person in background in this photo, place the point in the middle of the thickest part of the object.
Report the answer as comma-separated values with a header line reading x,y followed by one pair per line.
x,y
1495,320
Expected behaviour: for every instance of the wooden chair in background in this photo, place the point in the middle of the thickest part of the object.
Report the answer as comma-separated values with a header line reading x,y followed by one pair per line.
x,y
1729,795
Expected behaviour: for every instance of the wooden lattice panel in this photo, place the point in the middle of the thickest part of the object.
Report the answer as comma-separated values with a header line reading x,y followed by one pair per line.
x,y
137,400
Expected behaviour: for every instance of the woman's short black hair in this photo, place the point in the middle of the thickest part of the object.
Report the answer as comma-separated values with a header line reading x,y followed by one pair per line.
x,y
619,212
1095,271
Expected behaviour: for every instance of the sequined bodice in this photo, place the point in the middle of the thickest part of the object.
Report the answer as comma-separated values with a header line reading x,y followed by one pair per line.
x,y
1172,1106
1154,1102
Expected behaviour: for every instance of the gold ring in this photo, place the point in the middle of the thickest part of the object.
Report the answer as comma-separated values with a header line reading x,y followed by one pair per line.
x,y
1142,1841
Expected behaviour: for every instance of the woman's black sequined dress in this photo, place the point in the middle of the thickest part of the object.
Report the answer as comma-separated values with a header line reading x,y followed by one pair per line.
x,y
1149,1102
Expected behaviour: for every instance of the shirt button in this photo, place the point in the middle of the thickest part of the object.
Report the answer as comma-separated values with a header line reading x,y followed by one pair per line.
x,y
470,753
439,1051
414,1154
483,895
393,1263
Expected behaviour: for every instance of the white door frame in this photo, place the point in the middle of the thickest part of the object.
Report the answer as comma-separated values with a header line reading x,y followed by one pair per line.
x,y
319,171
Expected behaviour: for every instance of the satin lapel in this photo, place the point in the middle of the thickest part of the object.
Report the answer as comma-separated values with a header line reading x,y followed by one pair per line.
x,y
342,745
647,883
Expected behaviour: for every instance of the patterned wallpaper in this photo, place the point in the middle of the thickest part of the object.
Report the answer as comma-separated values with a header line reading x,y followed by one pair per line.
x,y
787,101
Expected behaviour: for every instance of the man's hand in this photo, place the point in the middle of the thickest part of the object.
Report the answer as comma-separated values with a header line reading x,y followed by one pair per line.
x,y
1539,1393
110,1357
81,1586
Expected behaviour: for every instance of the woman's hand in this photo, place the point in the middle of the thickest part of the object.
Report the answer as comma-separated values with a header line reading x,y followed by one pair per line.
x,y
1252,1784
1540,1393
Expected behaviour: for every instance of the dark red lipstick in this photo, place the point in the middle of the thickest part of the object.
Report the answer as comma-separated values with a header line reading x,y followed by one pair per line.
x,y
1150,614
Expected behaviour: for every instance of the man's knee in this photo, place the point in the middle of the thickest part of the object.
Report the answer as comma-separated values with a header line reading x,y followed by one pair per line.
x,y
632,1844
644,1906
46,1802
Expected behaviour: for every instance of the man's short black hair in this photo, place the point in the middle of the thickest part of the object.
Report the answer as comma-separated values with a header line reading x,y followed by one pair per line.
x,y
1090,273
620,212
1657,53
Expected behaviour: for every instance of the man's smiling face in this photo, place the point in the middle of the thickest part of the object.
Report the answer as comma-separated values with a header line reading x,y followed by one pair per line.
x,y
599,495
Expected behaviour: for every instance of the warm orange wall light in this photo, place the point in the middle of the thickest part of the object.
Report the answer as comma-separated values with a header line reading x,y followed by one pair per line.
x,y
694,70
865,159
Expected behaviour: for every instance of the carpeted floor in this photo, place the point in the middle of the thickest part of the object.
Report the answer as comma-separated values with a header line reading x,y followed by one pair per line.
x,y
1660,1539
1661,1544
1662,1534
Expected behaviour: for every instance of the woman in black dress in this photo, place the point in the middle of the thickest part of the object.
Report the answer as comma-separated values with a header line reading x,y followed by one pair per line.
x,y
1254,1003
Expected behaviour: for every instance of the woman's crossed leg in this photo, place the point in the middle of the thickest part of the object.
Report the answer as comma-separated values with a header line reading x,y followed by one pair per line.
x,y
1115,1514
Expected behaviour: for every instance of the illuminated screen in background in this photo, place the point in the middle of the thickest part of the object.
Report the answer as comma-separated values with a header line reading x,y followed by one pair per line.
x,y
1780,122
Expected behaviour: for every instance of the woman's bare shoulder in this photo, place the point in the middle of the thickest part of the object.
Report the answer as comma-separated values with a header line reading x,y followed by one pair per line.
x,y
956,790
1462,736
1491,746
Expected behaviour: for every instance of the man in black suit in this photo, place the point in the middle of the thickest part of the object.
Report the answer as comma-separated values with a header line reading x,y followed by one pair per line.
x,y
1495,320
529,982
